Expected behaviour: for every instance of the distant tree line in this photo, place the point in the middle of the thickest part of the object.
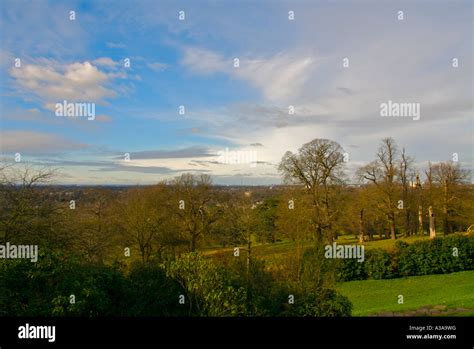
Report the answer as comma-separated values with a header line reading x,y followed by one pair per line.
x,y
108,243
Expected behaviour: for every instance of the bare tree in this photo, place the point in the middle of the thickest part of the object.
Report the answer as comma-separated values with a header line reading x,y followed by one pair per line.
x,y
143,218
92,224
194,207
448,176
383,174
318,165
26,209
406,175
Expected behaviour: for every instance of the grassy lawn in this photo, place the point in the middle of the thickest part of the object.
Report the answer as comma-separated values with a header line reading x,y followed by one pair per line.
x,y
455,290
287,246
273,253
382,243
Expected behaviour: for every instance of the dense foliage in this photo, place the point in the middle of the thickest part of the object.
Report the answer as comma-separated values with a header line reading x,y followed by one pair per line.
x,y
189,286
438,256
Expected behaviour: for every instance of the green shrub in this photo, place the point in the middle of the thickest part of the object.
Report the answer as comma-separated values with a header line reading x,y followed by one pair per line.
x,y
153,293
319,303
351,269
378,264
98,291
208,287
257,282
437,256
44,288
317,271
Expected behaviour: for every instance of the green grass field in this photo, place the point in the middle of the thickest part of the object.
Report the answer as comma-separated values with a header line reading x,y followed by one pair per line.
x,y
273,253
453,291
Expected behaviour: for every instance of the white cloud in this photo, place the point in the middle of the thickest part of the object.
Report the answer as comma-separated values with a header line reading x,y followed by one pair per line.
x,y
202,61
157,66
52,82
106,62
115,45
84,74
279,77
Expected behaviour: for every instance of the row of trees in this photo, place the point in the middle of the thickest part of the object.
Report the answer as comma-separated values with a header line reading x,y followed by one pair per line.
x,y
188,213
390,198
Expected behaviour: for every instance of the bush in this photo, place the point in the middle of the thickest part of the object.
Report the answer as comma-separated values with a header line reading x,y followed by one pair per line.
x,y
258,284
351,269
378,264
208,288
317,303
317,271
312,293
438,256
153,293
98,291
44,288
268,297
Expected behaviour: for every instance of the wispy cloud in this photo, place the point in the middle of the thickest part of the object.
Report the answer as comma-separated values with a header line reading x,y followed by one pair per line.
x,y
115,45
278,77
31,142
157,66
190,152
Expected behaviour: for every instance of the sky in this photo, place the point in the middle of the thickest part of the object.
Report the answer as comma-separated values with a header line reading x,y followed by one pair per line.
x,y
170,98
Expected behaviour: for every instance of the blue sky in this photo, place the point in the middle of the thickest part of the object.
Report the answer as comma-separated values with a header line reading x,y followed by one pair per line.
x,y
242,109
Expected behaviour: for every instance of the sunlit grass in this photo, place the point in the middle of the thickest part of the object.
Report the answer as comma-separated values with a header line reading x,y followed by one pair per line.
x,y
273,251
455,290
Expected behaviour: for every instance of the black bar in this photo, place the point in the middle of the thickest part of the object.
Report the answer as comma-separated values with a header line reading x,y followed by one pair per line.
x,y
219,332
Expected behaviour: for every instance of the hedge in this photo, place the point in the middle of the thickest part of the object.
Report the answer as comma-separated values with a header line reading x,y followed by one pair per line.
x,y
437,256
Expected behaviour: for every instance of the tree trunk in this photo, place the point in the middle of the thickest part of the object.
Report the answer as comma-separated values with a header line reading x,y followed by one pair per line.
x,y
432,223
420,220
361,226
445,210
445,219
446,223
407,222
393,234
